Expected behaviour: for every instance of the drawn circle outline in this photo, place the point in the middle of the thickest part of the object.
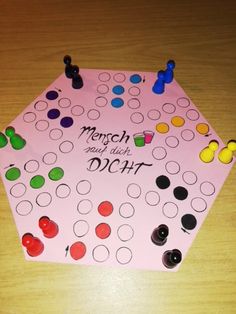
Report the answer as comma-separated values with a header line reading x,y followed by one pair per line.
x,y
28,212
122,249
61,100
85,223
17,185
136,186
176,163
44,194
29,113
170,216
79,204
106,250
122,238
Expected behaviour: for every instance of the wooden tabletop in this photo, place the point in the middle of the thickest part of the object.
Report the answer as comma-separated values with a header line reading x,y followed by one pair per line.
x,y
136,35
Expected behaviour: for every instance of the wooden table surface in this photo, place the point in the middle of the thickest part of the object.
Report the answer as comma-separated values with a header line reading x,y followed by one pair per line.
x,y
130,35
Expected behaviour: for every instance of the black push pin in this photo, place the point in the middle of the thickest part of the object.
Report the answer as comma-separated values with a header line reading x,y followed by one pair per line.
x,y
171,258
160,234
77,81
69,66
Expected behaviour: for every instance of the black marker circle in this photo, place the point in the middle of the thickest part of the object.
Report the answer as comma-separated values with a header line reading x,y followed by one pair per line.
x,y
180,193
162,182
189,221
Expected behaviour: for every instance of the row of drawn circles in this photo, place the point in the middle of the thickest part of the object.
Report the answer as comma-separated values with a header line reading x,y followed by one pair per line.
x,y
126,209
43,125
104,89
120,77
43,199
101,254
124,232
170,209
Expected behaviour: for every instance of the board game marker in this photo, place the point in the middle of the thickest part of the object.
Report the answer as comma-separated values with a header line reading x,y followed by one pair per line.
x,y
159,85
171,258
77,250
48,226
202,128
105,208
77,81
68,67
84,148
177,121
33,245
162,127
169,74
208,153
37,182
160,234
13,174
3,140
226,153
17,142
103,230
10,131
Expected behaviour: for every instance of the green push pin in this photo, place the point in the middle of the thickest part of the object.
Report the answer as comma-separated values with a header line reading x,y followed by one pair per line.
x,y
17,142
3,140
10,131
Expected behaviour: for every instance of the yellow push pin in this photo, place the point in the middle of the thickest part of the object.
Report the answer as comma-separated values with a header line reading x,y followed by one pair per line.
x,y
208,153
226,153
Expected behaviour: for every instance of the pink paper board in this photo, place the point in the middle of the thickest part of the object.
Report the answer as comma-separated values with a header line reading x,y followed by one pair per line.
x,y
102,163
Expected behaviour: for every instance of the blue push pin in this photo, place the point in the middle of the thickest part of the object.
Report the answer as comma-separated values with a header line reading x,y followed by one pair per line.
x,y
159,86
169,74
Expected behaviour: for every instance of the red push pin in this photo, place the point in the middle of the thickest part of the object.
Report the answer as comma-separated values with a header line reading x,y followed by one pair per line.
x,y
49,227
33,245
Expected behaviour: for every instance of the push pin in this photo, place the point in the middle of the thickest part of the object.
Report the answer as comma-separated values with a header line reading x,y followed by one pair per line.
x,y
160,234
49,227
33,245
171,258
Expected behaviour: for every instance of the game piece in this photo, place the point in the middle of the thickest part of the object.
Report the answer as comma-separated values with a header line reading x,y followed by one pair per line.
x,y
10,131
169,74
162,127
105,208
177,121
77,81
13,174
77,250
56,174
17,142
160,234
37,182
48,226
172,258
116,167
202,128
208,153
68,67
3,140
189,221
159,86
226,153
33,245
103,230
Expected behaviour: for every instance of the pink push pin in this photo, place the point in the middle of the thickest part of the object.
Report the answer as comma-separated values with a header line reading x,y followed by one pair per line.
x,y
33,245
49,227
